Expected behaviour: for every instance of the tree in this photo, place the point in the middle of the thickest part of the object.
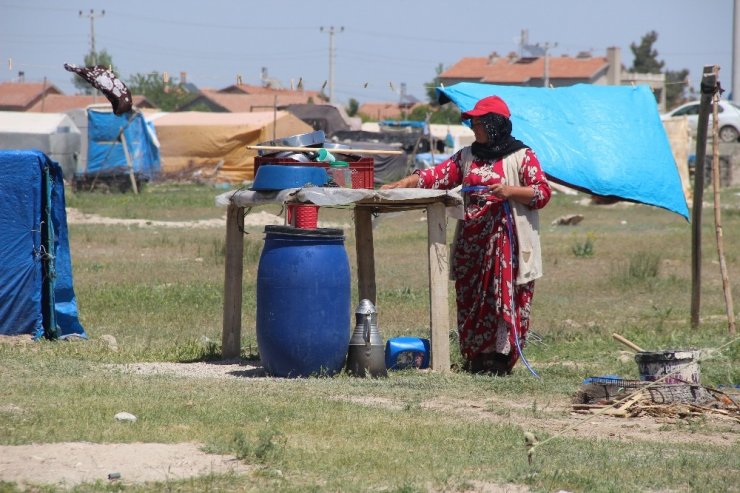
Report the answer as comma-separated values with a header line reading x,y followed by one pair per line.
x,y
646,61
446,114
676,87
102,58
432,86
352,106
646,58
168,96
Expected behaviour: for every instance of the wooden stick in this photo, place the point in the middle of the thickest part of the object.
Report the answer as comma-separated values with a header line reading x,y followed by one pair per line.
x,y
709,82
315,149
628,343
718,218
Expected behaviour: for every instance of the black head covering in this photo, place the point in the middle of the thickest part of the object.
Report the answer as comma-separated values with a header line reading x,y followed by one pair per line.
x,y
104,80
500,142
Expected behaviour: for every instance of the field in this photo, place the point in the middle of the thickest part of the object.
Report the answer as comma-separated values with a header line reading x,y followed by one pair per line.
x,y
150,297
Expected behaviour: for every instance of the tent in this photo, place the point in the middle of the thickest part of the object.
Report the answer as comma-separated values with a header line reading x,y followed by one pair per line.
x,y
324,117
457,135
191,140
120,145
606,140
36,288
54,134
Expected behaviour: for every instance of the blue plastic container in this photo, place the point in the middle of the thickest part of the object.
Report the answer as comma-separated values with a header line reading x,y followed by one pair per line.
x,y
407,352
303,302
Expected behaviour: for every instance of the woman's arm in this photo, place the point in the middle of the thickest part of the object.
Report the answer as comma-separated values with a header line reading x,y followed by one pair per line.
x,y
411,181
523,195
535,191
443,176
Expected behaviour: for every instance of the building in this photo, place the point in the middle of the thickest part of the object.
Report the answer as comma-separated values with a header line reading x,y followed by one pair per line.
x,y
551,71
239,98
47,98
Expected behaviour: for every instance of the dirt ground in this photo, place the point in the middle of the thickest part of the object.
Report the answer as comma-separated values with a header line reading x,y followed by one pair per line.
x,y
67,464
260,218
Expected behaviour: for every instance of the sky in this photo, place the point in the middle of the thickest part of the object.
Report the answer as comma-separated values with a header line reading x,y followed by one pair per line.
x,y
379,45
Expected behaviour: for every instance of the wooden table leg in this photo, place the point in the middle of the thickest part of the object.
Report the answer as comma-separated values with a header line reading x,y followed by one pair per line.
x,y
438,293
234,266
365,254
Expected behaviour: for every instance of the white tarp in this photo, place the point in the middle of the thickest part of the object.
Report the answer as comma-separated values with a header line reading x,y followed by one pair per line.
x,y
54,134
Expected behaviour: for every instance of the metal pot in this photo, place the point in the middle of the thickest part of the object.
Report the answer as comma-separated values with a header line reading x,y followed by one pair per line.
x,y
366,353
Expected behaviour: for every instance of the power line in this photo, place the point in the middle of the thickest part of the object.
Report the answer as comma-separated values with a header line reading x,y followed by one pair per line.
x,y
92,15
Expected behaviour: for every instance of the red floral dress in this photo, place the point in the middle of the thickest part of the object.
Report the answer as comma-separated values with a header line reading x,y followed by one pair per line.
x,y
483,266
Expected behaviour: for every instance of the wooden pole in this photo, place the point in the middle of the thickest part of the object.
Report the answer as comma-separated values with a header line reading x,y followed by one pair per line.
x,y
316,149
708,87
129,162
438,284
234,267
726,287
366,287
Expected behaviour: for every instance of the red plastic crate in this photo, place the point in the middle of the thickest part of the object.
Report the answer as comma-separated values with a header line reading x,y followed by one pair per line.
x,y
363,169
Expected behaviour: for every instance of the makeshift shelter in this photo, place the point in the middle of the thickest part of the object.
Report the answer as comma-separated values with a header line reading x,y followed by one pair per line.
x,y
54,134
324,117
36,288
216,142
119,148
605,140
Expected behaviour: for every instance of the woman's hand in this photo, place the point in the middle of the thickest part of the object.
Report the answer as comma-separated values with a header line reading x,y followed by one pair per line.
x,y
519,194
500,190
411,181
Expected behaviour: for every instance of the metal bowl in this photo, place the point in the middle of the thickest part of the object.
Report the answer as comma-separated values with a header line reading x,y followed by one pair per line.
x,y
310,139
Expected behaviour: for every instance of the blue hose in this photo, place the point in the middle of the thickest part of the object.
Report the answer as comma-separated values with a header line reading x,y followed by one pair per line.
x,y
510,233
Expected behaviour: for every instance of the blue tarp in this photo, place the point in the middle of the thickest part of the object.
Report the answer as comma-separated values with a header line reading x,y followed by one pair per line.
x,y
25,265
606,140
105,152
423,160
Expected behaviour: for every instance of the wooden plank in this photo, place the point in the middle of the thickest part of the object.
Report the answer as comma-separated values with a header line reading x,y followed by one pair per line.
x,y
234,267
365,254
438,292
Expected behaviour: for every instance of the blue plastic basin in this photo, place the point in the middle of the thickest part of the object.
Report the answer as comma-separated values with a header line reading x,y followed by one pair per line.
x,y
280,177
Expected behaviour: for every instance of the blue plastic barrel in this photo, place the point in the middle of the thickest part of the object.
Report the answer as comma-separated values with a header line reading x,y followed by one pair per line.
x,y
303,302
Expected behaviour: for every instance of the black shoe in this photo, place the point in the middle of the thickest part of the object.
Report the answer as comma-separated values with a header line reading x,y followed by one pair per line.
x,y
488,364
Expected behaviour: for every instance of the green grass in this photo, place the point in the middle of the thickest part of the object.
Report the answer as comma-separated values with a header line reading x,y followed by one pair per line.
x,y
159,292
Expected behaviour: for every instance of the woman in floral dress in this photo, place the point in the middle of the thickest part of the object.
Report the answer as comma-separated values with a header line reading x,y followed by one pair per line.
x,y
494,277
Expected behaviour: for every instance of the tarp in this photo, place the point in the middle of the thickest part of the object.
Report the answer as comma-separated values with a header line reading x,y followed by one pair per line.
x,y
607,140
106,133
458,136
54,134
426,160
27,265
191,140
324,117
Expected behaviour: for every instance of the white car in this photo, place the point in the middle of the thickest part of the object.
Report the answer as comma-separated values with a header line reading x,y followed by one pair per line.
x,y
728,113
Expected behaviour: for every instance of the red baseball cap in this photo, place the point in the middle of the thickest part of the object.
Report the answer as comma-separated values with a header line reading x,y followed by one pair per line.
x,y
490,104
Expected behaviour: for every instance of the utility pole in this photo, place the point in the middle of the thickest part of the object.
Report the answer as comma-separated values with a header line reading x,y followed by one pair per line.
x,y
538,50
546,48
92,15
735,51
331,31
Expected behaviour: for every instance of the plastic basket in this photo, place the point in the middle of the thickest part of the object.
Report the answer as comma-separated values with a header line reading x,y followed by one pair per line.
x,y
304,216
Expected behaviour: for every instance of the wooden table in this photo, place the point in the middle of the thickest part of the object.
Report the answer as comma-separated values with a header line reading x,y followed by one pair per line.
x,y
365,204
